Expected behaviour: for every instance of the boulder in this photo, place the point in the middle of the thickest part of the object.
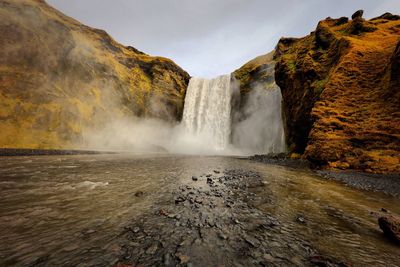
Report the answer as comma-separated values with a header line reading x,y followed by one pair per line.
x,y
390,225
357,14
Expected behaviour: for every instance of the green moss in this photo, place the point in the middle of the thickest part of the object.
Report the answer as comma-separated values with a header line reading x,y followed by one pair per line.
x,y
319,86
291,64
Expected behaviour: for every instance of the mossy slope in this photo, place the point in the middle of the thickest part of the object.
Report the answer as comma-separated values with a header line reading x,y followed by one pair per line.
x,y
341,93
59,78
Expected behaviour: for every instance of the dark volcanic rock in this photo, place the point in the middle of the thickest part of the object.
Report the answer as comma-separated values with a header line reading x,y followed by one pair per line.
x,y
388,16
390,226
281,159
357,14
200,224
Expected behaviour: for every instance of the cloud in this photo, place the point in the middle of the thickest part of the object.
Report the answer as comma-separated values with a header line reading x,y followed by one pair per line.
x,y
209,37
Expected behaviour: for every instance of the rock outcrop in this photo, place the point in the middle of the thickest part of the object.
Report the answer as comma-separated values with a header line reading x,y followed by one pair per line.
x,y
341,93
256,72
59,78
390,225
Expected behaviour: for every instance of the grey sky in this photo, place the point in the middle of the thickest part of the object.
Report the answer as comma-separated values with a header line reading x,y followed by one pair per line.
x,y
212,37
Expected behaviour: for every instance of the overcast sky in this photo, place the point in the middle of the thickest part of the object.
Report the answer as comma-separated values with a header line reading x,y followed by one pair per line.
x,y
212,37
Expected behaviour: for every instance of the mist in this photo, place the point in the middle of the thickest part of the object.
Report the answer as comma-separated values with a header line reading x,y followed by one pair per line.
x,y
148,135
256,127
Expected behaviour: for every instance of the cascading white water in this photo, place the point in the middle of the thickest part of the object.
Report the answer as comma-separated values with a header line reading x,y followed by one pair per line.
x,y
256,125
207,111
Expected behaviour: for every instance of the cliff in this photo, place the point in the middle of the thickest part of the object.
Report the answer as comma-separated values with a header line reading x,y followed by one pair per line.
x,y
259,71
257,125
341,93
59,78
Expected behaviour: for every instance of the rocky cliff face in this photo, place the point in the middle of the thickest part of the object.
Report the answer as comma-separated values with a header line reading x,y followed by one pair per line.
x,y
257,73
341,93
59,78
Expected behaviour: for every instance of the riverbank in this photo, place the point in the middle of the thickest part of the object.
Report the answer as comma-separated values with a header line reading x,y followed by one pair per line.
x,y
13,152
385,183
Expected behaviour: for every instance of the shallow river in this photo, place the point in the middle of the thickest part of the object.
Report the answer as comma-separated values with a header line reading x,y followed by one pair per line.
x,y
70,210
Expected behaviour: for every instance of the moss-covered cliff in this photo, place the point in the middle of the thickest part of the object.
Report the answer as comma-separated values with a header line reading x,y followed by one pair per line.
x,y
259,71
59,78
341,93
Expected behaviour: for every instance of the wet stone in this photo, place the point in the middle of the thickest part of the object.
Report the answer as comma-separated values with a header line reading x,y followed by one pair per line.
x,y
139,194
218,220
252,241
301,220
151,250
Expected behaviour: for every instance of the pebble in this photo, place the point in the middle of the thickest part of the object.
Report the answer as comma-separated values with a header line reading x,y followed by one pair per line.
x,y
209,216
268,257
152,249
183,258
139,194
222,236
300,219
252,241
167,259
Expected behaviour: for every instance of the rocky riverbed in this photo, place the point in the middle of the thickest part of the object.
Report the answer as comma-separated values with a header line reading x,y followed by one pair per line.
x,y
215,222
130,210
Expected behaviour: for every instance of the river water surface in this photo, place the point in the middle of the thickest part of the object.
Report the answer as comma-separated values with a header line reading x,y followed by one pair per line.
x,y
71,210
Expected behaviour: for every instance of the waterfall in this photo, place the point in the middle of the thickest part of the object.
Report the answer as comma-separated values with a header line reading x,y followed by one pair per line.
x,y
253,126
207,111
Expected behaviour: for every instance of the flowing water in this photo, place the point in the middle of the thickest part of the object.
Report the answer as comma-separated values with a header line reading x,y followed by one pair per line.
x,y
70,210
207,111
252,125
